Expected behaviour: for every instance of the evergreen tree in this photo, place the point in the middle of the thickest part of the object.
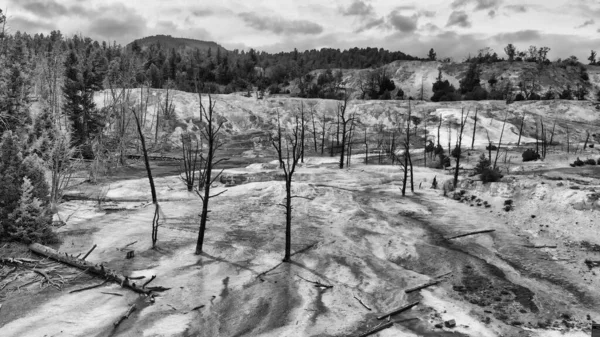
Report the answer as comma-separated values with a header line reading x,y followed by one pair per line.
x,y
30,221
10,177
82,77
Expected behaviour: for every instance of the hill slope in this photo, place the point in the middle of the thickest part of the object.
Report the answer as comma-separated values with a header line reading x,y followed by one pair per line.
x,y
412,76
178,43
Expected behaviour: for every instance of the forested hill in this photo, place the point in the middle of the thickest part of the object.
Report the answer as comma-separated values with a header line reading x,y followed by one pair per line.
x,y
168,42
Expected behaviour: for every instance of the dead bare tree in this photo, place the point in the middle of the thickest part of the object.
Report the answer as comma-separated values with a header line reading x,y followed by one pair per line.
x,y
314,127
463,121
279,137
302,129
289,166
366,148
344,120
474,129
350,136
211,134
521,129
552,133
500,141
156,217
190,160
568,140
587,138
407,165
323,132
61,167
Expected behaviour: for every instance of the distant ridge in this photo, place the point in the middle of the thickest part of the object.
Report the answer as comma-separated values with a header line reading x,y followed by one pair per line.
x,y
168,42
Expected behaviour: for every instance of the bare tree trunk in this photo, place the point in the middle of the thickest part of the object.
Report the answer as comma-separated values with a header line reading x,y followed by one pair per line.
x,y
279,139
323,123
552,134
438,131
568,147
314,129
302,132
288,171
474,129
537,145
521,129
150,179
366,148
500,141
586,140
463,121
211,135
342,118
407,160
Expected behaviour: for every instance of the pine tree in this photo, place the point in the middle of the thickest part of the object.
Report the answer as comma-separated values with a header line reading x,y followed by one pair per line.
x,y
10,176
30,221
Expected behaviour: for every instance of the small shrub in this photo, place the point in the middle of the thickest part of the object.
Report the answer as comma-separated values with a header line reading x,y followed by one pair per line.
x,y
444,161
578,162
483,163
590,161
490,175
530,155
491,147
456,152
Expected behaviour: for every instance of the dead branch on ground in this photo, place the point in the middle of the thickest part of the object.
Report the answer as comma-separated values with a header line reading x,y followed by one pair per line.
x,y
471,233
397,311
125,316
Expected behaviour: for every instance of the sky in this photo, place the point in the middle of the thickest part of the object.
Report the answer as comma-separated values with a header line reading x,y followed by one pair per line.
x,y
453,28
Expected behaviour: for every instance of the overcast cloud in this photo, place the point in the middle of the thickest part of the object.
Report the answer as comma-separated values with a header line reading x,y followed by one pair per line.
x,y
453,28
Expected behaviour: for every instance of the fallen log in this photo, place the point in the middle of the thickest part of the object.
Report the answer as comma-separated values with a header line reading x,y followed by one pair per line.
x,y
377,329
88,253
316,283
541,246
150,280
361,302
125,316
397,311
96,269
107,293
419,287
471,233
88,288
47,277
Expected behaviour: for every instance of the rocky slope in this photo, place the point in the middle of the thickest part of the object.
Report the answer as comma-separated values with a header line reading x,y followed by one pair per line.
x,y
249,121
411,76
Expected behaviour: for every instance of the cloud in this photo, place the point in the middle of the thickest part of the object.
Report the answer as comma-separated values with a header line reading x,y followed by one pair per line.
x,y
405,24
459,18
18,23
358,8
430,27
371,24
427,14
516,8
279,25
44,8
492,13
518,36
586,23
130,26
479,4
202,12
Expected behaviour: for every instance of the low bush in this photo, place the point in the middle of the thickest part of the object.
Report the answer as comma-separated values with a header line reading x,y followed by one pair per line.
x,y
530,155
490,175
578,162
590,161
456,152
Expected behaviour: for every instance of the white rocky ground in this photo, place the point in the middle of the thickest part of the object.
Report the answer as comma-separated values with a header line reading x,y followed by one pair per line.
x,y
371,244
